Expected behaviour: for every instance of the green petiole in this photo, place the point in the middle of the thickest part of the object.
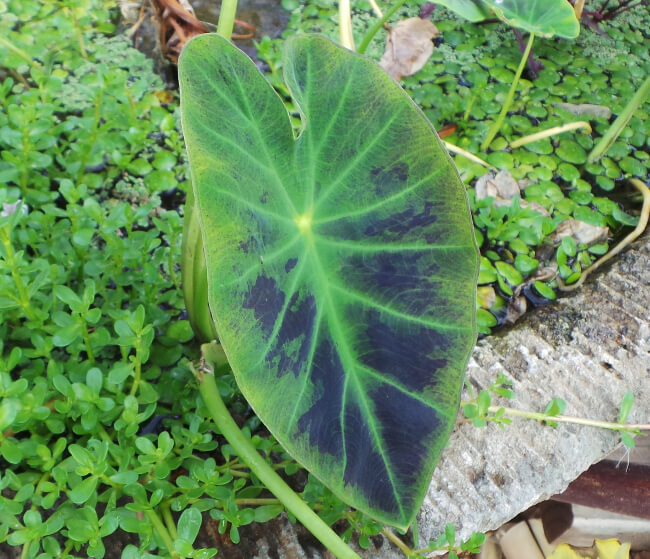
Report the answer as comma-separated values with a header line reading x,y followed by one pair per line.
x,y
511,94
264,472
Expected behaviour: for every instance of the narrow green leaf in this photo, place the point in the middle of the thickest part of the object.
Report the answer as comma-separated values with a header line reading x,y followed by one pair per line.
x,y
555,407
145,446
81,455
342,265
267,512
544,290
473,10
125,478
470,410
627,440
66,335
189,524
183,547
626,406
69,297
82,492
484,401
9,408
450,534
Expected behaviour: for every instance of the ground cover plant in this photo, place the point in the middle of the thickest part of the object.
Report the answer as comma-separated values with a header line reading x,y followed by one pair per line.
x,y
101,424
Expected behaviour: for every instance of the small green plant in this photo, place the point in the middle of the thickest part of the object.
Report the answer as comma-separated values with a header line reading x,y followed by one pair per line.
x,y
480,411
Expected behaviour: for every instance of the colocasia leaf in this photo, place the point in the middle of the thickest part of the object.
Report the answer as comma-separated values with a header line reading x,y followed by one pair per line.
x,y
342,265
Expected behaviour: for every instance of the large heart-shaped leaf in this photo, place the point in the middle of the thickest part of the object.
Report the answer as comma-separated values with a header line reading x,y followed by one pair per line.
x,y
546,18
341,265
542,17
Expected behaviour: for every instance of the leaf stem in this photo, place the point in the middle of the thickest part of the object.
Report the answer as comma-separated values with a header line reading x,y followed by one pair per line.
x,y
169,520
226,21
506,106
10,257
378,25
24,553
392,537
257,502
265,473
540,416
80,37
621,121
194,276
345,25
162,532
93,136
137,369
551,132
19,52
86,339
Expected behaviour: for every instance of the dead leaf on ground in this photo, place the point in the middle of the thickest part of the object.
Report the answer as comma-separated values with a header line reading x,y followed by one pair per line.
x,y
177,26
586,109
409,46
582,232
501,185
503,188
516,309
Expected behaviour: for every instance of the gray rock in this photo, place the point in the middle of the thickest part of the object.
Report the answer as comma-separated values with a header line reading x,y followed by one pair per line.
x,y
589,349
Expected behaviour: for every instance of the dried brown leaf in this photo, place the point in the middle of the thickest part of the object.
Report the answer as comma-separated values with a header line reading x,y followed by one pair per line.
x,y
408,48
582,232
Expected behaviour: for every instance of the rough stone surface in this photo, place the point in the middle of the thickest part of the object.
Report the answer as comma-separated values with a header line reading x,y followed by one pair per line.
x,y
589,349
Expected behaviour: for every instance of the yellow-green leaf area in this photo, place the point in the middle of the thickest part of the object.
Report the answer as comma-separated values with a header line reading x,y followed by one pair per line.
x,y
341,264
542,17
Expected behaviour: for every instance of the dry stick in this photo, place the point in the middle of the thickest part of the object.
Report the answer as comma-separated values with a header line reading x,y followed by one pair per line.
x,y
551,132
345,25
467,155
134,28
578,7
391,536
376,9
643,222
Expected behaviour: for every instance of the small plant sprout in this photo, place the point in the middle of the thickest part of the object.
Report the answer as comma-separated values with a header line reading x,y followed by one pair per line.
x,y
480,411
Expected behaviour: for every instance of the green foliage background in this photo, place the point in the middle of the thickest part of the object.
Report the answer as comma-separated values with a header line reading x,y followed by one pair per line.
x,y
101,428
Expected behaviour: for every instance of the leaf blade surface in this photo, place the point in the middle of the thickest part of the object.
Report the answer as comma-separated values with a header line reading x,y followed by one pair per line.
x,y
342,265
